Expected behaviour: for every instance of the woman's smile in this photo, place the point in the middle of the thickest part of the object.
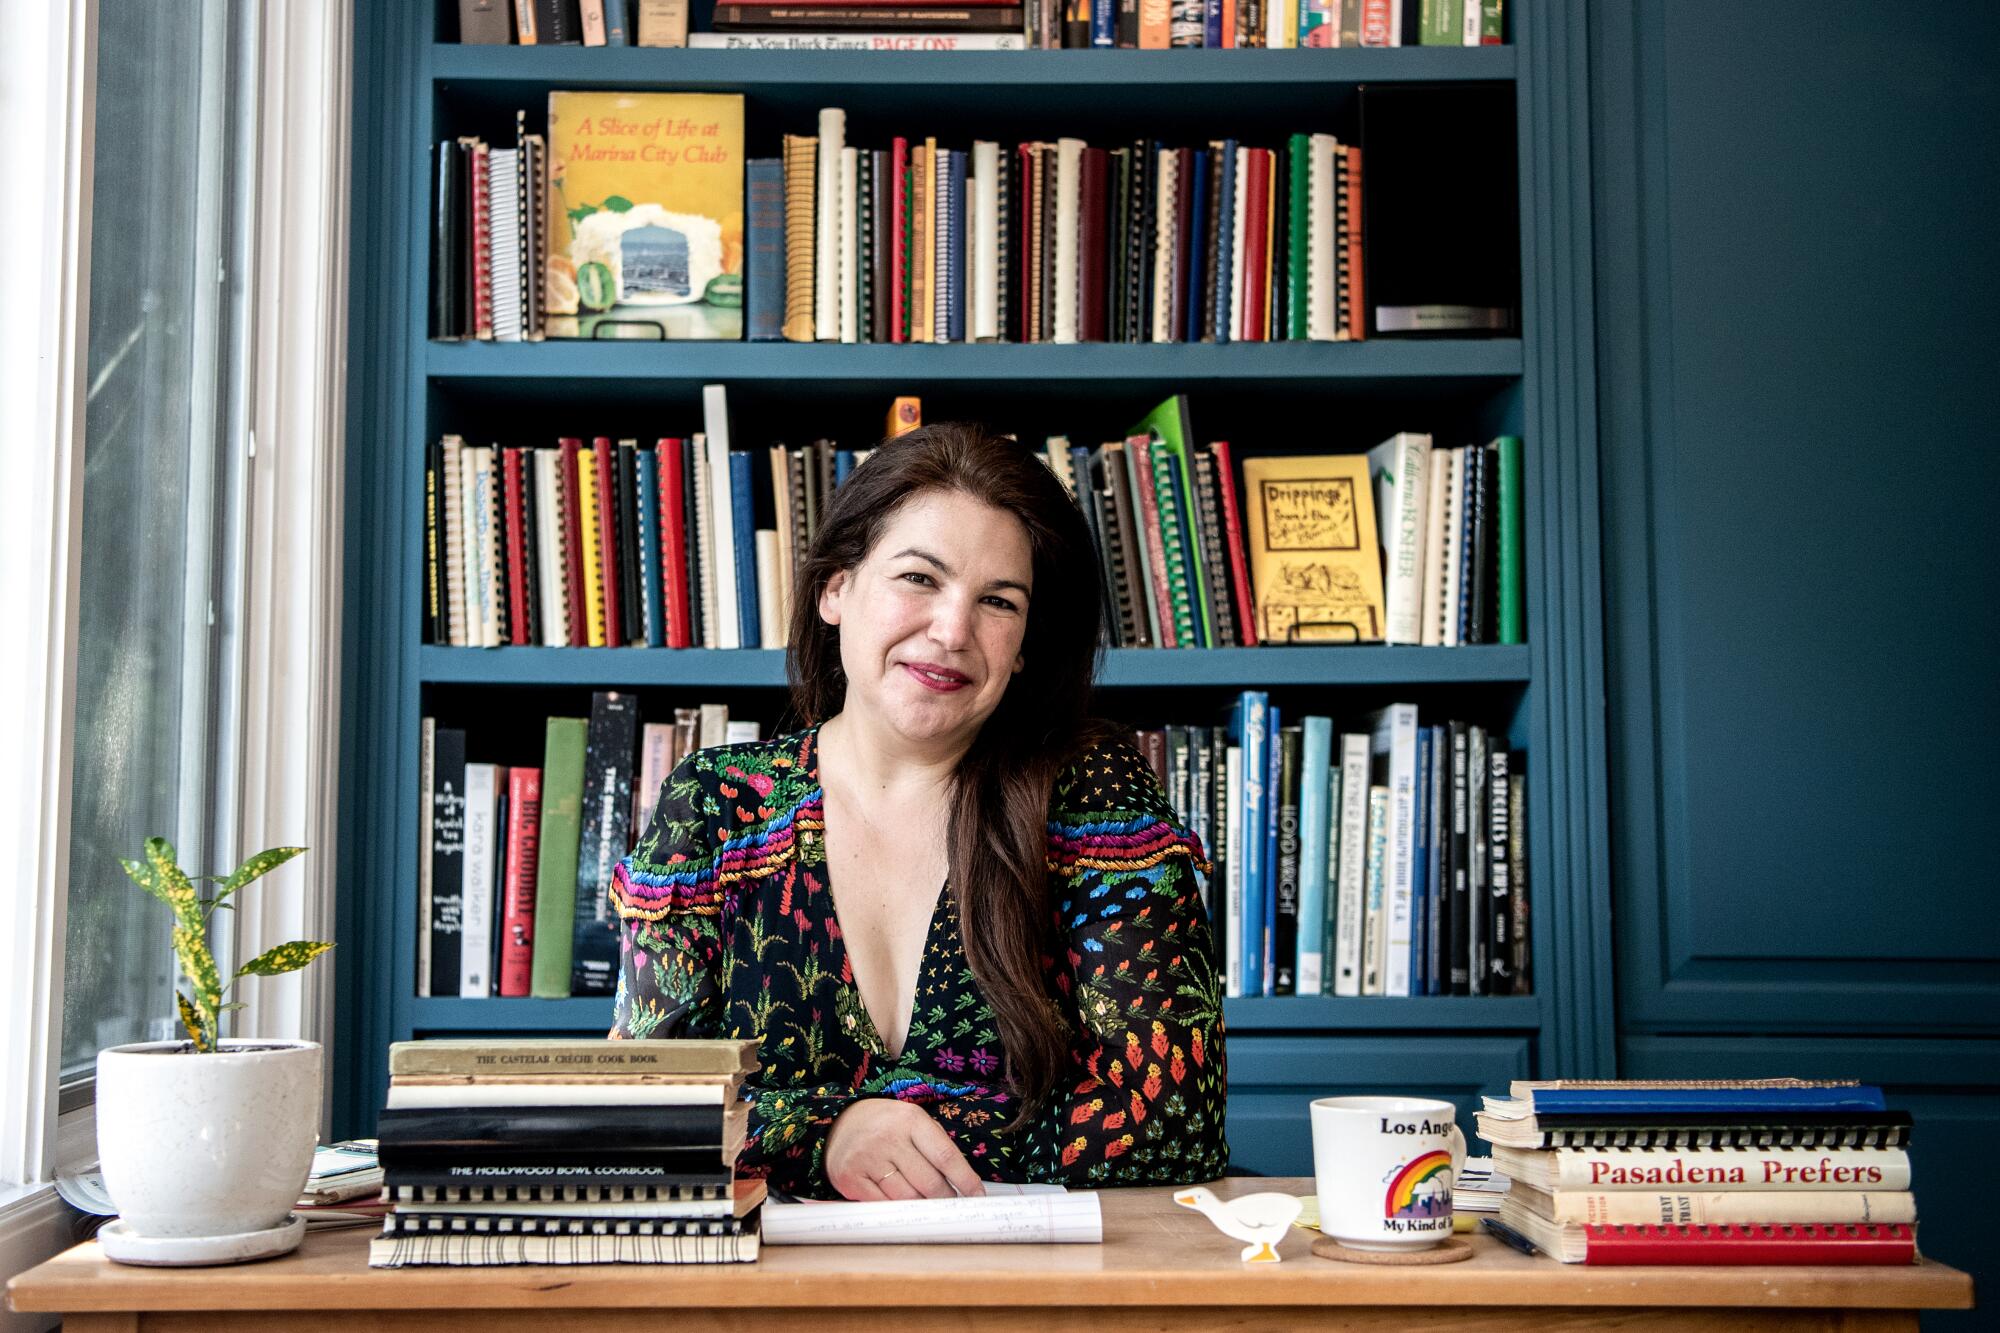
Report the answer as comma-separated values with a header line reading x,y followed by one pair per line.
x,y
943,682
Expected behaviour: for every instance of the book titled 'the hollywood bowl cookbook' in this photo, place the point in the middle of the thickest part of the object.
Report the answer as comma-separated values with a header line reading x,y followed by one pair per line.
x,y
645,215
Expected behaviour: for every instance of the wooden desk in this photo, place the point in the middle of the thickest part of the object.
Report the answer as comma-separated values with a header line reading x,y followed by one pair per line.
x,y
1160,1267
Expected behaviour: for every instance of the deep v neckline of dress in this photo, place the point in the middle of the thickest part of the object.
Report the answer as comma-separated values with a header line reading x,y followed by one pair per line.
x,y
874,1040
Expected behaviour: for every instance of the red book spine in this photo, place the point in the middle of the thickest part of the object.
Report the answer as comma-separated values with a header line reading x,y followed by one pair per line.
x,y
572,546
1357,305
673,544
517,902
511,462
1377,22
1256,256
607,538
899,240
1096,165
1232,525
1141,449
1764,1243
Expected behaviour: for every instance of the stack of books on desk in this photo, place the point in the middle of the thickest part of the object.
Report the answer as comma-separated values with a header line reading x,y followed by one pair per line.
x,y
566,1152
1777,1171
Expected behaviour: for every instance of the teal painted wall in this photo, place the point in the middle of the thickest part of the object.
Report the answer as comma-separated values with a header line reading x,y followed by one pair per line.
x,y
1795,216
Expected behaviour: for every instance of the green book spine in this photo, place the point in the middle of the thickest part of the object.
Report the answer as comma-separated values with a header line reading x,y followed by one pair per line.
x,y
1508,447
555,870
1204,607
1167,502
1489,22
1296,233
1171,429
1438,22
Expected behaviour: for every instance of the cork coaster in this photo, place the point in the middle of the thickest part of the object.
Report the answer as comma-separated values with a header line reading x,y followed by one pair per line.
x,y
1450,1251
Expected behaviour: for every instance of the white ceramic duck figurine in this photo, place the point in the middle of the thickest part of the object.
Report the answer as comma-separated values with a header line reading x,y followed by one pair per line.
x,y
1261,1219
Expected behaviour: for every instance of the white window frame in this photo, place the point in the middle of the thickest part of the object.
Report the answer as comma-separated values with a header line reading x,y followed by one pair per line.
x,y
282,763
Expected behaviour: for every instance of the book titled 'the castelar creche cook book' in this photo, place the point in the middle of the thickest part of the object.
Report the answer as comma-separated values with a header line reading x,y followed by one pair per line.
x,y
646,214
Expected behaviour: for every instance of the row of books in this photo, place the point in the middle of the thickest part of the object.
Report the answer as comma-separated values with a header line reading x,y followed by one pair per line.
x,y
630,219
1059,242
551,1152
684,542
1295,552
673,543
624,219
1388,858
514,872
1773,1171
1038,24
489,237
573,22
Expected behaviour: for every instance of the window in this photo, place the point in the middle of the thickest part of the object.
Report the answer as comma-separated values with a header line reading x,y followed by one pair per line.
x,y
162,514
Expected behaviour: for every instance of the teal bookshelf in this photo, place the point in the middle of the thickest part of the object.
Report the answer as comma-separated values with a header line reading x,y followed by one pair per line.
x,y
1241,668
1264,398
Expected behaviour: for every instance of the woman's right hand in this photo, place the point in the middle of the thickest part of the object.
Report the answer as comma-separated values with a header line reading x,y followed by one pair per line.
x,y
881,1148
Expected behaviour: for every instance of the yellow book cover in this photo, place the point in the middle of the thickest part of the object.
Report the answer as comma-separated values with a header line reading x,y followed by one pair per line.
x,y
645,215
1314,567
593,551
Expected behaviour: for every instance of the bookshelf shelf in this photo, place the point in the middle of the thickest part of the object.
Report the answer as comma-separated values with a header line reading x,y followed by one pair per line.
x,y
1375,362
1292,1013
1066,79
1127,667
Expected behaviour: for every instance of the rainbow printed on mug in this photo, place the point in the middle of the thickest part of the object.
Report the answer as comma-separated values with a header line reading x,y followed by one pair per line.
x,y
1422,1188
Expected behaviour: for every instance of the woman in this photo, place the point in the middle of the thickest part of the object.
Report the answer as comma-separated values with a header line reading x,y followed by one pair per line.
x,y
1053,1012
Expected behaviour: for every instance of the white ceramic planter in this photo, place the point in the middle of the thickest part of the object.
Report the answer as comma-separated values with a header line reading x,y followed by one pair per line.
x,y
207,1145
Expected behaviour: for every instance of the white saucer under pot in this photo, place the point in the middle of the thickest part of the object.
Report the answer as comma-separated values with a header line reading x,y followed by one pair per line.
x,y
205,1155
128,1247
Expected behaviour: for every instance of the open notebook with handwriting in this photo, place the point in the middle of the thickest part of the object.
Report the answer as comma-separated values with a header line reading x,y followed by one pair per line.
x,y
1036,1214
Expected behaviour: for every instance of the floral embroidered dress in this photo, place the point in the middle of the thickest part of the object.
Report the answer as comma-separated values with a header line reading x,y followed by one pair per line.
x,y
729,931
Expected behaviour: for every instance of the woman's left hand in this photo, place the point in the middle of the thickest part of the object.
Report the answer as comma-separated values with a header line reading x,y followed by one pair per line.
x,y
881,1148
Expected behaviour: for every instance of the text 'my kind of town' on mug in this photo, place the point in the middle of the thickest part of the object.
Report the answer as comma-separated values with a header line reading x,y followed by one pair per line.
x,y
1384,1168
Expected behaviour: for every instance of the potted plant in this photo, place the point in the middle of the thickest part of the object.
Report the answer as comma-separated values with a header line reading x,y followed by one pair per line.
x,y
205,1143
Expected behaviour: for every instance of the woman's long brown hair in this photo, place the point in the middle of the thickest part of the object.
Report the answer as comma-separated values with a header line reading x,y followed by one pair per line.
x,y
997,840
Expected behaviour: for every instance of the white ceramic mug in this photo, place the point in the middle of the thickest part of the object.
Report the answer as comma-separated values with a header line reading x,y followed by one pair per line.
x,y
1384,1168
